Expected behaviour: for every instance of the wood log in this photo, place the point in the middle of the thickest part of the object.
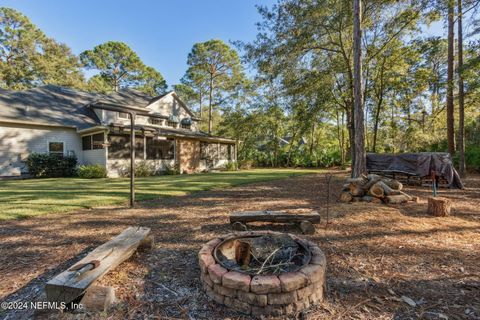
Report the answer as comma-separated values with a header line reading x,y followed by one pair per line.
x,y
393,184
386,189
98,299
307,227
274,216
69,285
373,176
360,181
374,179
439,206
345,197
409,197
396,199
356,199
356,189
376,191
242,252
346,187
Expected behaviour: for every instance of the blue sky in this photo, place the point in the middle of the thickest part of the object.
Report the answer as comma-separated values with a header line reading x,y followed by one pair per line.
x,y
161,32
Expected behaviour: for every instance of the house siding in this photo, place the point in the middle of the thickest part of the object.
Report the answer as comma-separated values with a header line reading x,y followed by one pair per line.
x,y
18,141
98,156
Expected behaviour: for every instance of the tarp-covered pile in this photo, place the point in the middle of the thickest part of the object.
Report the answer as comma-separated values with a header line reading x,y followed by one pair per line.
x,y
416,164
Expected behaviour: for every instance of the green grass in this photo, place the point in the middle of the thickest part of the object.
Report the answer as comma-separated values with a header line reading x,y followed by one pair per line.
x,y
25,198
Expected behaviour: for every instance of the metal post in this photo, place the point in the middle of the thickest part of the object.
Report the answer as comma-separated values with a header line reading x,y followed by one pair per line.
x,y
132,159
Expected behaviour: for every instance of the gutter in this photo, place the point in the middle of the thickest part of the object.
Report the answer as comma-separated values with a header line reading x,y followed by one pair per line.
x,y
10,121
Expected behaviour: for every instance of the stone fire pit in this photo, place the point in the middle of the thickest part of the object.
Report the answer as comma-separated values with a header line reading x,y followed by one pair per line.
x,y
263,273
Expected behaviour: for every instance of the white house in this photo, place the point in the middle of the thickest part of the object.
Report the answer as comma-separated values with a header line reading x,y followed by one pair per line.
x,y
52,119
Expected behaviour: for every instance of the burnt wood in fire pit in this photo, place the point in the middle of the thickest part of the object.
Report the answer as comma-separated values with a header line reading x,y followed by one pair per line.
x,y
262,254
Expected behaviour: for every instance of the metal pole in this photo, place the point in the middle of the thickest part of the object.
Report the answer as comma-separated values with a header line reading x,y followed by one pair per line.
x,y
132,159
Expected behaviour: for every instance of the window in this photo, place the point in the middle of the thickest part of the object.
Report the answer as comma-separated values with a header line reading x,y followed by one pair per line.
x,y
155,121
87,143
55,148
186,126
120,147
94,142
98,140
123,115
172,124
223,151
160,149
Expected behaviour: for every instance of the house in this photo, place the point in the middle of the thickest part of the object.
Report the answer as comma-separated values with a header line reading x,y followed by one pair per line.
x,y
53,119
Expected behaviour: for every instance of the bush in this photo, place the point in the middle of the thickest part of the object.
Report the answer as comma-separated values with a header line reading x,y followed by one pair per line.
x,y
171,170
92,171
245,164
51,165
231,166
472,157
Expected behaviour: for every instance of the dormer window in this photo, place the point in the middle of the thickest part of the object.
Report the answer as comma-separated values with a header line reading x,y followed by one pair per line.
x,y
186,123
123,115
172,121
155,121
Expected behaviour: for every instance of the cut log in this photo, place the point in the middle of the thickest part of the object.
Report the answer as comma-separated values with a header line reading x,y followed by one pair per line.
x,y
98,299
360,181
393,184
439,206
242,252
409,197
386,189
345,197
376,191
396,199
147,244
356,189
69,285
307,227
274,216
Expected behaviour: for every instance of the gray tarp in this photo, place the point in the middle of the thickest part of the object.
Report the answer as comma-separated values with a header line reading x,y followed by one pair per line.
x,y
416,164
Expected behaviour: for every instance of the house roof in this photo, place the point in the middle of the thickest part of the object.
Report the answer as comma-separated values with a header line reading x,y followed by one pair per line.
x,y
54,105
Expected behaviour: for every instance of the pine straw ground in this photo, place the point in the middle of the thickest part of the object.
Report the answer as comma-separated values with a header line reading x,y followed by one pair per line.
x,y
376,254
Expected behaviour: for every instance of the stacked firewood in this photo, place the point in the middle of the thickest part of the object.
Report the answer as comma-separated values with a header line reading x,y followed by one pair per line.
x,y
374,188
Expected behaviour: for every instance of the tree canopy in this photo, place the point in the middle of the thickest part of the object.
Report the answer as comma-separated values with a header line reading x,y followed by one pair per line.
x,y
119,66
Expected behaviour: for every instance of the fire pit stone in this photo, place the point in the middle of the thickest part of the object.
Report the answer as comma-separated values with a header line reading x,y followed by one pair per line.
x,y
273,292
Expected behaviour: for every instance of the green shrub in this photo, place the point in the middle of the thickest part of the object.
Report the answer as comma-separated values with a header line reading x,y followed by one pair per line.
x,y
171,170
51,165
92,171
472,157
231,166
142,169
245,164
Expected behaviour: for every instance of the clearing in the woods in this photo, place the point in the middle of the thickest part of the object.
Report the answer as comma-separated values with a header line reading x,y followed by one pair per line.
x,y
384,262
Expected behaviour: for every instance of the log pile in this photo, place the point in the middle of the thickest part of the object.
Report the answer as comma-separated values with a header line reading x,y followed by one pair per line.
x,y
374,188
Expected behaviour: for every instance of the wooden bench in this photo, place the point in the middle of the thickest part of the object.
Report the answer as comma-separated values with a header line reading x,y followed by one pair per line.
x,y
305,220
74,282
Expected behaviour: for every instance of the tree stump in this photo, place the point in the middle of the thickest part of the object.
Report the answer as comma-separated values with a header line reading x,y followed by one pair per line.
x,y
307,227
438,206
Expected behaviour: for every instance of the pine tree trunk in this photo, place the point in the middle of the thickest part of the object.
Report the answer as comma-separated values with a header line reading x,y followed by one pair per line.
x,y
210,97
359,165
450,59
461,106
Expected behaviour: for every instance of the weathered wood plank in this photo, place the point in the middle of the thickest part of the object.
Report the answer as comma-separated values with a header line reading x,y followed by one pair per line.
x,y
274,216
69,285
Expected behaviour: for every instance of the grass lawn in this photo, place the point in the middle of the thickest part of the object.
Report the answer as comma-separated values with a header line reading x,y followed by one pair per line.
x,y
25,198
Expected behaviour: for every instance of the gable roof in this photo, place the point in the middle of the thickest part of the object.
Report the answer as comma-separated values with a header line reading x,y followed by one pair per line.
x,y
60,106
54,105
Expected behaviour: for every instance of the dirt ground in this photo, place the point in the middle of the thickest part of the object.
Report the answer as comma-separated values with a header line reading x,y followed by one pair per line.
x,y
380,258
